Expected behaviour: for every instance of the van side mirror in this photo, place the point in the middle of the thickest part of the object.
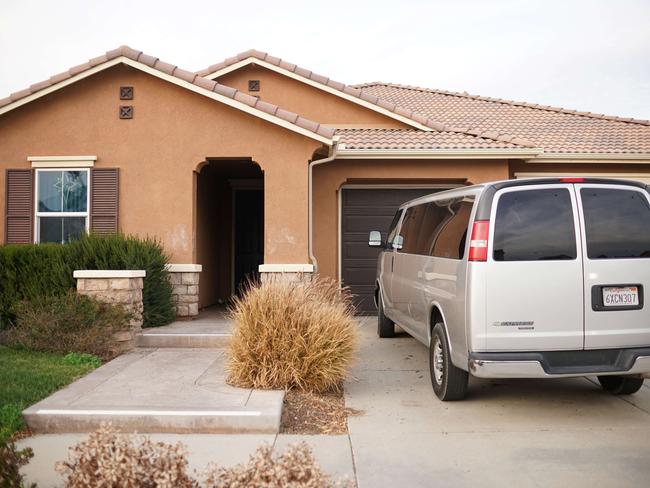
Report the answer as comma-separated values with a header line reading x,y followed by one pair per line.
x,y
374,240
398,242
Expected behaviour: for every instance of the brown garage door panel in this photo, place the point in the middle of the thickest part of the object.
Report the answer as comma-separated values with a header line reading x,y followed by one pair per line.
x,y
363,210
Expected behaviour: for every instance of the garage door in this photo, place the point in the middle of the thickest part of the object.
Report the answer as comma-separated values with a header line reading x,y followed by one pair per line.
x,y
363,210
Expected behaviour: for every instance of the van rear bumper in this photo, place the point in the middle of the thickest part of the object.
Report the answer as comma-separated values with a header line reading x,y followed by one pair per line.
x,y
554,364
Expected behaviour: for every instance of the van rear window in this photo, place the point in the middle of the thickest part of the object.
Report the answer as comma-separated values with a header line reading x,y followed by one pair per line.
x,y
617,223
533,225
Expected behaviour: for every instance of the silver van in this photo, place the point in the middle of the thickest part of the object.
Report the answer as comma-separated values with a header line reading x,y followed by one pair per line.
x,y
537,278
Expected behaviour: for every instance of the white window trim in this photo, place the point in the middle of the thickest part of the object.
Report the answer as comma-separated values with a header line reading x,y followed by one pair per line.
x,y
38,215
62,161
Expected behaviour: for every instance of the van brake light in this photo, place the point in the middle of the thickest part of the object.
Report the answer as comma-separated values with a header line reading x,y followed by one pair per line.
x,y
478,244
572,180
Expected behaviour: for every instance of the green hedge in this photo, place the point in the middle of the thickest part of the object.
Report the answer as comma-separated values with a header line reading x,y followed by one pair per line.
x,y
29,272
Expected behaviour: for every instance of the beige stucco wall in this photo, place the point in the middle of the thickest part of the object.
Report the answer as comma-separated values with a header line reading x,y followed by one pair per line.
x,y
579,168
172,131
330,177
310,102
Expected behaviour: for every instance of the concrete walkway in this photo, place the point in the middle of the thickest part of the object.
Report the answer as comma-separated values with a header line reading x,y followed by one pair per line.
x,y
211,328
553,433
176,384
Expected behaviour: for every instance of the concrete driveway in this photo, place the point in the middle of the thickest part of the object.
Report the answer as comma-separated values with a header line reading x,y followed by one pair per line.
x,y
565,433
520,432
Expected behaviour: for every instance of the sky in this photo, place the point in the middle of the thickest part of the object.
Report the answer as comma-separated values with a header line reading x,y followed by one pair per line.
x,y
591,55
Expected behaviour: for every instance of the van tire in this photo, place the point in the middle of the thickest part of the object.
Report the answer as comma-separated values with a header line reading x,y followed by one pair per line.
x,y
449,382
620,385
385,326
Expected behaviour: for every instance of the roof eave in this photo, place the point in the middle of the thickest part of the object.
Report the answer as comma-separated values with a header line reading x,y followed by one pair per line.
x,y
514,153
172,79
591,158
318,85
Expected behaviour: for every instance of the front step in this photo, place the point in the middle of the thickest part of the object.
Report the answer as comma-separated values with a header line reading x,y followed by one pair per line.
x,y
263,420
159,390
157,339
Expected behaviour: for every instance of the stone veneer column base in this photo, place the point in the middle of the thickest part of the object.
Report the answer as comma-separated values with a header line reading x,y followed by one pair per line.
x,y
185,288
118,287
291,272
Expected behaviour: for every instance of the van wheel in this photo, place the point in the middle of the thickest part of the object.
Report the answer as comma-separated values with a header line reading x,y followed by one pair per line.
x,y
449,382
620,385
385,326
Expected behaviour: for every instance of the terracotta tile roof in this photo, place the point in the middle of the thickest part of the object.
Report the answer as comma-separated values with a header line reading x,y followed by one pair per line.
x,y
182,74
415,139
366,95
556,130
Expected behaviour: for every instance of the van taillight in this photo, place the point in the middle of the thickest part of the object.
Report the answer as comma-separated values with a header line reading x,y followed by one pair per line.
x,y
572,180
478,244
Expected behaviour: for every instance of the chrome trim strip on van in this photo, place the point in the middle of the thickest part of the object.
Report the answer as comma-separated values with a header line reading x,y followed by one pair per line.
x,y
533,369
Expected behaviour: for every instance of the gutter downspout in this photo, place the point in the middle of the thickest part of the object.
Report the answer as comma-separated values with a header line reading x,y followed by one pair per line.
x,y
310,236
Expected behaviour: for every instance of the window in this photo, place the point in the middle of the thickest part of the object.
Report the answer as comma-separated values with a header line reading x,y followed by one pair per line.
x,y
437,228
411,228
392,230
617,223
61,204
450,235
534,225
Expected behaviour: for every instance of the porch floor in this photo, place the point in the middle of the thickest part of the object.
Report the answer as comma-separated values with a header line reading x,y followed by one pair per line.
x,y
211,328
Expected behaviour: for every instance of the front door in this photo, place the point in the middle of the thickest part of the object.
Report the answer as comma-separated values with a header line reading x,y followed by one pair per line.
x,y
249,235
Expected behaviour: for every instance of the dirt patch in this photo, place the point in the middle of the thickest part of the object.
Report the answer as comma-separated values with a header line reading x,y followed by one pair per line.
x,y
21,434
315,413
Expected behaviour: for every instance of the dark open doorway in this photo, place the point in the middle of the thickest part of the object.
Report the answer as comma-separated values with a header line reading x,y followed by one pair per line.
x,y
249,234
229,226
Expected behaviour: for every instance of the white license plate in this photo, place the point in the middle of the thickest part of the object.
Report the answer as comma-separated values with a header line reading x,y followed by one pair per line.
x,y
624,296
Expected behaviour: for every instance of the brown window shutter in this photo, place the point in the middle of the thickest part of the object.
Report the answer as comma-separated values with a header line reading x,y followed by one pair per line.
x,y
104,200
20,206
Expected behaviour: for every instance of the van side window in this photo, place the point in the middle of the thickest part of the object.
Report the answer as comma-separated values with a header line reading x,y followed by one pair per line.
x,y
617,223
437,228
411,228
392,230
450,236
534,225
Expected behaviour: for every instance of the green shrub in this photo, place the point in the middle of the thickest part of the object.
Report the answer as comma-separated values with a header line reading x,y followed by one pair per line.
x,y
30,272
11,419
292,335
67,323
11,460
82,359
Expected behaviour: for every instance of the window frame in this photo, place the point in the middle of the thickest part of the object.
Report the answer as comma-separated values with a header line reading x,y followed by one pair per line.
x,y
38,214
576,213
583,221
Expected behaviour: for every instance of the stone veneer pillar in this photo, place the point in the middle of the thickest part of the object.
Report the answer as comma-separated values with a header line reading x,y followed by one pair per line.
x,y
119,287
291,272
185,288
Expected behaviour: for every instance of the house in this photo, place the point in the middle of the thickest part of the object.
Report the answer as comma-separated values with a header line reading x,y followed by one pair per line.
x,y
256,164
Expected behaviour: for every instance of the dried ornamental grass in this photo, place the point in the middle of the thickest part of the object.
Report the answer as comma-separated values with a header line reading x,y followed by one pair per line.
x,y
110,459
292,335
296,468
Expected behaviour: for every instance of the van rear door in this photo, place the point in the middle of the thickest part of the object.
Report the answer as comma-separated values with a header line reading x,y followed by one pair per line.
x,y
616,226
534,270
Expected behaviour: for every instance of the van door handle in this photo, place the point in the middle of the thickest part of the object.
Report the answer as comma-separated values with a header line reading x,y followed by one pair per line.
x,y
392,262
